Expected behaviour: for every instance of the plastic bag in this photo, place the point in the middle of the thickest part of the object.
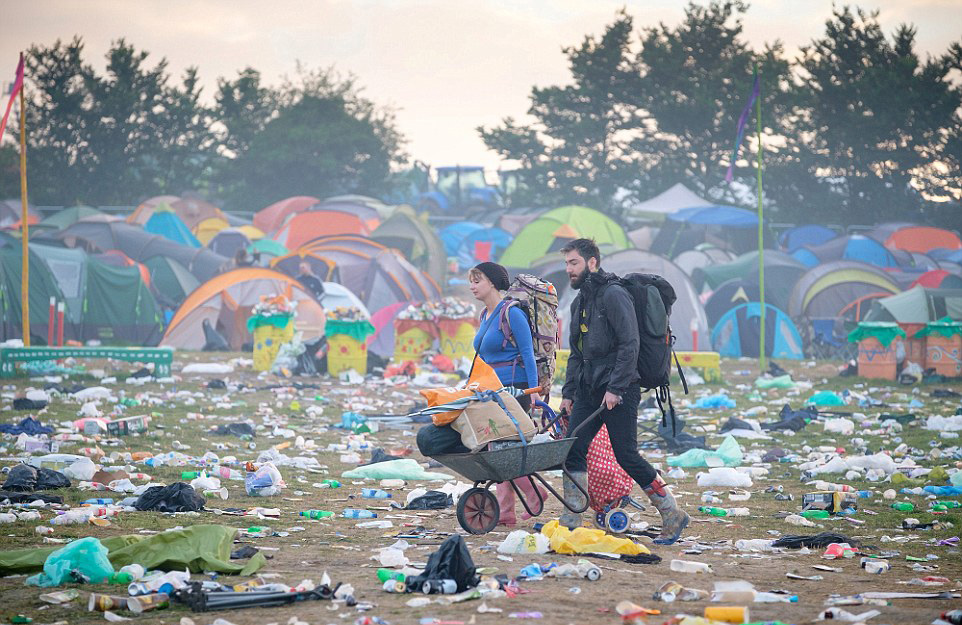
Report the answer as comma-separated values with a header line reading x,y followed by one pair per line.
x,y
265,481
729,453
177,497
715,401
407,469
431,500
780,382
87,556
585,540
844,427
452,560
826,398
521,542
725,477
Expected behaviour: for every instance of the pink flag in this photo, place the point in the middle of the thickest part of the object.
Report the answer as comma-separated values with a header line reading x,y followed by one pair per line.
x,y
17,86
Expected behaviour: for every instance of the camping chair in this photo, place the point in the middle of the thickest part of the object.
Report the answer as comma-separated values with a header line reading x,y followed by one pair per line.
x,y
829,340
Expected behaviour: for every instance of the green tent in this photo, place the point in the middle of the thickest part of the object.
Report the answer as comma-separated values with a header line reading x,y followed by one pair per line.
x,y
267,247
416,240
67,217
43,286
171,281
917,305
118,307
550,231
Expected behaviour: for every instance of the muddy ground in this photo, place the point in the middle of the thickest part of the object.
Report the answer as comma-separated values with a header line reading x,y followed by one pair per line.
x,y
345,552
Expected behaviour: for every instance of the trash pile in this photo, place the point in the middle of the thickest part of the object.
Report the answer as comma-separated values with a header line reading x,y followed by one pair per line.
x,y
220,489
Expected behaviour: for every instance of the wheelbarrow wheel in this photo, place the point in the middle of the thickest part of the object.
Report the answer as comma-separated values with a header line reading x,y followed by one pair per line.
x,y
478,511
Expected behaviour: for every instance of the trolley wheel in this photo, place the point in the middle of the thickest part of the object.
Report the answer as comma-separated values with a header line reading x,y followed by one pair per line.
x,y
617,521
599,519
478,511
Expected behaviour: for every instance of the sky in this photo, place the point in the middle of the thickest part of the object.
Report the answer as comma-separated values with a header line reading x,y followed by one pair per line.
x,y
446,66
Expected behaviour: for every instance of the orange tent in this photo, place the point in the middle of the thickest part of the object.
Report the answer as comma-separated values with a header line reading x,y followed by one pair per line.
x,y
145,209
271,218
921,239
226,300
305,227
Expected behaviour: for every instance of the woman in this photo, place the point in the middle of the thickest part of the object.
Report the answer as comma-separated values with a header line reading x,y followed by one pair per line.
x,y
511,357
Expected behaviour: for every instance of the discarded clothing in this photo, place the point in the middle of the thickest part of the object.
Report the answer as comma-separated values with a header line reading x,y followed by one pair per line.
x,y
25,403
178,497
818,540
29,425
792,419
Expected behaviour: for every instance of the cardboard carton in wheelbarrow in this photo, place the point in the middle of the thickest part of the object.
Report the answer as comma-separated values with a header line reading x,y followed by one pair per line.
x,y
496,417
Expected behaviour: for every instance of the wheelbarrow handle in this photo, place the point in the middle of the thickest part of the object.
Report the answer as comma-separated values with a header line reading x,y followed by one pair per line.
x,y
594,414
552,417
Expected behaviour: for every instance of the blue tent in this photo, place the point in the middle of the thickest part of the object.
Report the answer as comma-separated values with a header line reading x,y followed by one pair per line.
x,y
167,224
452,235
482,244
810,234
851,247
737,333
730,216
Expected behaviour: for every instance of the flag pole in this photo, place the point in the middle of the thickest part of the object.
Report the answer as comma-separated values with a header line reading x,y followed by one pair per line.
x,y
25,227
761,230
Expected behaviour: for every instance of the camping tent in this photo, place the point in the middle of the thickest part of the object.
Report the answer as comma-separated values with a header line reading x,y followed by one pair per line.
x,y
938,279
687,315
10,212
228,241
339,296
918,305
141,246
727,296
304,227
810,234
781,273
415,239
170,281
69,216
704,255
377,275
192,210
550,231
922,239
42,286
486,244
672,200
271,218
738,333
208,229
167,224
452,235
145,209
823,291
226,302
727,227
849,247
514,219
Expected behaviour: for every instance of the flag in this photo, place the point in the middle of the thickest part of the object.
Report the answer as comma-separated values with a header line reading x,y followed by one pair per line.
x,y
740,130
17,86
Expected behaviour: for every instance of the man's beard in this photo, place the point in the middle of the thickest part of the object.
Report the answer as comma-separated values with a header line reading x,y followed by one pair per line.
x,y
578,280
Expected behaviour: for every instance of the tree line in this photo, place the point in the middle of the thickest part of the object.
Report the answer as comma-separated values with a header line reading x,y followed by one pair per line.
x,y
859,127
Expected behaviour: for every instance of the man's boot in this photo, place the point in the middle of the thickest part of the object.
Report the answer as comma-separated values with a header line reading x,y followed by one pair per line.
x,y
574,498
673,519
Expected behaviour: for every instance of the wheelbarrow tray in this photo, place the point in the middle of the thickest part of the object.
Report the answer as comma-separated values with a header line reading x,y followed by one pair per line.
x,y
502,465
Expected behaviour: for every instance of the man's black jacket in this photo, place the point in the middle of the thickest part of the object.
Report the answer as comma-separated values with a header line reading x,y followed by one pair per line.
x,y
608,356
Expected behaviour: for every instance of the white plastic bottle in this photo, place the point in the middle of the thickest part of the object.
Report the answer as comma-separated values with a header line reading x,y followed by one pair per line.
x,y
687,566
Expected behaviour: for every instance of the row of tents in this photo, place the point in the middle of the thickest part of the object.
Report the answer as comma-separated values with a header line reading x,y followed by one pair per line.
x,y
186,263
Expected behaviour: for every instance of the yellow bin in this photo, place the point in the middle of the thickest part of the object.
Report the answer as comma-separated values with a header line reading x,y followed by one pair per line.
x,y
268,339
347,342
457,337
411,340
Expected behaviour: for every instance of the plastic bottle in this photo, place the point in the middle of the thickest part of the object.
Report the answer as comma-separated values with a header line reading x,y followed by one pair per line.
x,y
903,506
839,488
354,513
713,511
953,616
120,578
816,514
190,475
100,501
330,484
687,566
949,504
375,493
316,514
754,544
226,473
773,597
864,494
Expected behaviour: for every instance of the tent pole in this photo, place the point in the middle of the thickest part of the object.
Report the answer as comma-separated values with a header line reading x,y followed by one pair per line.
x,y
761,230
25,238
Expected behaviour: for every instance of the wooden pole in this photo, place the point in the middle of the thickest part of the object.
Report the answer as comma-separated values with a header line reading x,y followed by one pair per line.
x,y
24,222
761,231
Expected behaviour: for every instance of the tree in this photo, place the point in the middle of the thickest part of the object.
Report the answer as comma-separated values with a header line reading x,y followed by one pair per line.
x,y
111,139
9,171
876,120
580,148
316,135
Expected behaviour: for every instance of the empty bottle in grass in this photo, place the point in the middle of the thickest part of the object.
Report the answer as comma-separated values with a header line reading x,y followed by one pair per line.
x,y
816,514
355,513
330,484
384,575
317,514
713,511
687,566
375,493
903,506
948,504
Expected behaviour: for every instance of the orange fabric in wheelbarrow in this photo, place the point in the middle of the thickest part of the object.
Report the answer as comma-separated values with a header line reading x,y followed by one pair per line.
x,y
483,378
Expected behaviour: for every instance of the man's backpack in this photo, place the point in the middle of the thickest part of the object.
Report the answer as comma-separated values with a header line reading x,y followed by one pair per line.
x,y
539,301
653,297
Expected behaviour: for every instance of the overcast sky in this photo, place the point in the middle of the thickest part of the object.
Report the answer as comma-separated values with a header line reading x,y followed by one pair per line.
x,y
446,65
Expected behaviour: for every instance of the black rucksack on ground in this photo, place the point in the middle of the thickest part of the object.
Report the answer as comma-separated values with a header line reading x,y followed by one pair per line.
x,y
653,297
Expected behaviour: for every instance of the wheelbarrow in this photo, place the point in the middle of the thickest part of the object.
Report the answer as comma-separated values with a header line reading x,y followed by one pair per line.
x,y
478,509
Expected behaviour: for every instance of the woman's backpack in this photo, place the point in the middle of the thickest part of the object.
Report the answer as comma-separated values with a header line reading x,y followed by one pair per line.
x,y
539,301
